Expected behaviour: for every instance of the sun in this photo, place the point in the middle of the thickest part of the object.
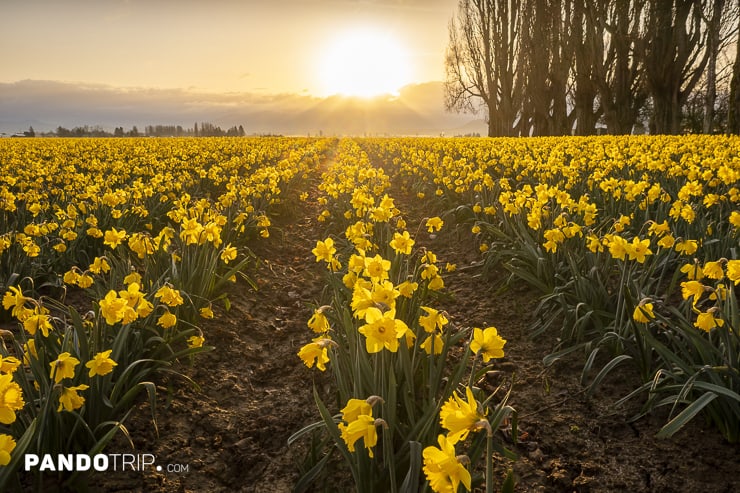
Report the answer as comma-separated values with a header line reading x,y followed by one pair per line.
x,y
363,63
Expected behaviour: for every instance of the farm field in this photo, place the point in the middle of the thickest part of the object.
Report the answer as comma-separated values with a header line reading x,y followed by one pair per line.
x,y
551,288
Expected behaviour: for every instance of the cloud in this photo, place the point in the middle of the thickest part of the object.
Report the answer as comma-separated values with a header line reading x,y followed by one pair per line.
x,y
48,104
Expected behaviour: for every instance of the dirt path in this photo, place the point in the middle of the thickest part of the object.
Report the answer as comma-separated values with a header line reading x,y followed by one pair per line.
x,y
255,392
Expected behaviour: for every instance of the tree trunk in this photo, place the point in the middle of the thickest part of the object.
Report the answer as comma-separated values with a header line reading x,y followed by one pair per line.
x,y
733,117
710,96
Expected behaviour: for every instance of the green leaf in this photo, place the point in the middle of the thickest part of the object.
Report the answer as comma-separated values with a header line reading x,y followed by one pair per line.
x,y
686,415
411,481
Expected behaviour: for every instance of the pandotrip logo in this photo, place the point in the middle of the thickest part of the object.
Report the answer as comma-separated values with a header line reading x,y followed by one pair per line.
x,y
98,462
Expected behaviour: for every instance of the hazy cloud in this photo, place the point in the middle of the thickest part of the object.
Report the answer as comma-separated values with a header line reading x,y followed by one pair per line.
x,y
45,105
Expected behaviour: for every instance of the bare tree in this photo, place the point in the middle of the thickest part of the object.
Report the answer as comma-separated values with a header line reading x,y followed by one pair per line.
x,y
674,58
733,117
618,71
481,62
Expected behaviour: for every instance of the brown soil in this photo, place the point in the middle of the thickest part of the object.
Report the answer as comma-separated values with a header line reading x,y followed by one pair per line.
x,y
255,392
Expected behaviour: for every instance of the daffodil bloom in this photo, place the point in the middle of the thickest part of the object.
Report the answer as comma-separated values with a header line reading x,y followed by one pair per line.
x,y
617,247
734,219
11,399
324,250
85,281
733,271
167,320
316,353
69,399
9,364
402,243
318,322
436,283
360,424
433,320
133,277
191,231
113,237
168,296
434,344
228,254
384,295
460,417
706,321
63,367
196,341
667,241
686,247
29,351
382,330
407,288
639,249
691,289
7,444
206,312
362,299
714,270
377,268
113,308
443,469
355,408
643,313
693,271
488,343
364,427
101,364
434,224
14,300
37,321
99,265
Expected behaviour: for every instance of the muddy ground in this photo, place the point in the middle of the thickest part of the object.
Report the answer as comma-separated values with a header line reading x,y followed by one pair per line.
x,y
255,392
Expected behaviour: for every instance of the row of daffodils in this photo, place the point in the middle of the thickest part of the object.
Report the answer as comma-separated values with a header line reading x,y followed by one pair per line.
x,y
632,242
111,253
405,376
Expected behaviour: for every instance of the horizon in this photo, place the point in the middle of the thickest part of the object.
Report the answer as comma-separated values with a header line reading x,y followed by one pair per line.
x,y
132,62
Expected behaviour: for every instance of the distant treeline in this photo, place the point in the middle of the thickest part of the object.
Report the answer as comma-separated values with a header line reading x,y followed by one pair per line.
x,y
204,129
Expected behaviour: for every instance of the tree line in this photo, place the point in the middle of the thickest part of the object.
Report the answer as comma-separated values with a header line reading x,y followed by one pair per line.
x,y
205,129
560,67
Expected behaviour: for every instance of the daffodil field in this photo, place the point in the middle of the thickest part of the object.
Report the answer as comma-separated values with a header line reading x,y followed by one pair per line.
x,y
112,252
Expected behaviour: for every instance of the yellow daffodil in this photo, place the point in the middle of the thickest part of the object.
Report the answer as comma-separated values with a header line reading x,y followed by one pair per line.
x,y
69,399
9,364
643,312
443,468
402,243
101,364
487,343
316,353
706,321
11,399
114,237
460,417
433,320
196,341
324,250
7,444
434,224
382,330
63,367
167,320
168,296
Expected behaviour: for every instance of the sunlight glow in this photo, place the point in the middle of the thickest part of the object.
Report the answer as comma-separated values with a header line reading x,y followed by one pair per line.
x,y
363,63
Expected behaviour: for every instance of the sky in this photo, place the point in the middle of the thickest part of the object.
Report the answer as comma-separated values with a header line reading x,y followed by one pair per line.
x,y
159,60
